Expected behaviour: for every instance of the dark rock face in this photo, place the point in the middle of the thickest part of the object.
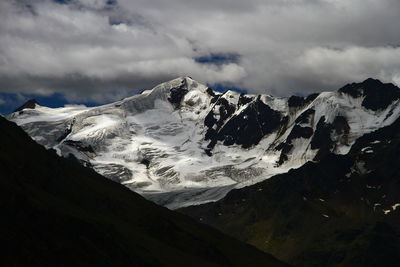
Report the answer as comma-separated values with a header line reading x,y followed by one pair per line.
x,y
378,95
225,111
31,104
245,129
210,91
285,149
79,146
300,132
340,125
311,97
305,117
298,101
213,94
342,129
322,138
287,146
248,127
177,94
243,100
145,162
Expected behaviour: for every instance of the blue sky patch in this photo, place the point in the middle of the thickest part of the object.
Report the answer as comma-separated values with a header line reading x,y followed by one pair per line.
x,y
218,59
111,2
63,2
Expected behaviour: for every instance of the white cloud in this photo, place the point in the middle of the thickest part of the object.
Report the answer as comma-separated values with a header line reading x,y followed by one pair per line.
x,y
351,63
285,47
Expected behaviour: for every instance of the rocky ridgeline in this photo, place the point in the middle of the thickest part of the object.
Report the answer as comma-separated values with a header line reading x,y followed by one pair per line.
x,y
183,143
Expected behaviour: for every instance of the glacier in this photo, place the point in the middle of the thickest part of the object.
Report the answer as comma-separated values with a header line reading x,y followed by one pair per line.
x,y
181,143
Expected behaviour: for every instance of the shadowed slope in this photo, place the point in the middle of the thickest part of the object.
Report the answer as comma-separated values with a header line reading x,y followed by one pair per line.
x,y
57,213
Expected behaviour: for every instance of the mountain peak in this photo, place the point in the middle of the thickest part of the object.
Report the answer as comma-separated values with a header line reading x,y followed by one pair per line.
x,y
31,104
372,81
377,95
197,142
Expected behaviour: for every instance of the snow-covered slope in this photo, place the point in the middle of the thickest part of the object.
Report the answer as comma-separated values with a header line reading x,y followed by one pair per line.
x,y
181,143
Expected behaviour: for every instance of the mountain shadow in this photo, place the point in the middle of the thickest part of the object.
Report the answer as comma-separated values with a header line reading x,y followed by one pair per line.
x,y
56,212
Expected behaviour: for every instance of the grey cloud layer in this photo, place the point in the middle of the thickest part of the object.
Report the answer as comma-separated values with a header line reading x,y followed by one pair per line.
x,y
94,51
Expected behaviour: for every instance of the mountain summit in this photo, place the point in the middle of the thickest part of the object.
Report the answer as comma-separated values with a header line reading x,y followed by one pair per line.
x,y
30,104
183,143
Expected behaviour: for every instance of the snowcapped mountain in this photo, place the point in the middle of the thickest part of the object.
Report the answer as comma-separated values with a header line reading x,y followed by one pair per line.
x,y
182,143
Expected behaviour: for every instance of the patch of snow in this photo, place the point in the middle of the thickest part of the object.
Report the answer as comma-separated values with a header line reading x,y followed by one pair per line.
x,y
395,206
45,114
377,205
387,211
375,142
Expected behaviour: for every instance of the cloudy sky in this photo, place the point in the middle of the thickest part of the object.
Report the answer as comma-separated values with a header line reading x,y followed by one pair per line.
x,y
98,51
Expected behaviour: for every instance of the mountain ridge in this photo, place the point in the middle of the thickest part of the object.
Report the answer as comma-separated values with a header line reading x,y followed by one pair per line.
x,y
197,144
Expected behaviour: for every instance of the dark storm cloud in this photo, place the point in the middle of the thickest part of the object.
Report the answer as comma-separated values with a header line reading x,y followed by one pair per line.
x,y
98,50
